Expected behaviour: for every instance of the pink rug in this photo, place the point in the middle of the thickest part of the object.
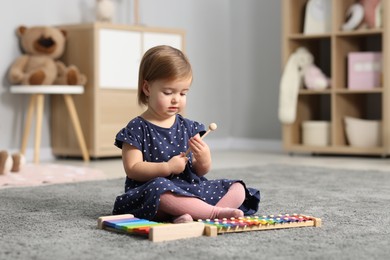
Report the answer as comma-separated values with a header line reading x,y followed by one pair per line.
x,y
44,174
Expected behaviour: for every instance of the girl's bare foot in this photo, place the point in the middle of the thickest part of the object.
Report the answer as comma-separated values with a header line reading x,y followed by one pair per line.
x,y
229,213
183,219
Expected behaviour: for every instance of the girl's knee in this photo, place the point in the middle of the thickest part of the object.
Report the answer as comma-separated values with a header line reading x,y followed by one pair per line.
x,y
238,186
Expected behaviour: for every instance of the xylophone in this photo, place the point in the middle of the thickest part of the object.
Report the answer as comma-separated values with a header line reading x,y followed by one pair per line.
x,y
252,223
158,232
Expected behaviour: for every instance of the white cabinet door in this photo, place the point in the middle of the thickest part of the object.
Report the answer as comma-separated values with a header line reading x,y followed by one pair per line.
x,y
120,53
119,57
152,39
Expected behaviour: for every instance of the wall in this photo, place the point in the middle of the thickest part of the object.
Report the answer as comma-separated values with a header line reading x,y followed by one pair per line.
x,y
234,47
208,47
256,68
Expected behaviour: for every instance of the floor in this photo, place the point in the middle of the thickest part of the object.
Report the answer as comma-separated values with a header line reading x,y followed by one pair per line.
x,y
229,159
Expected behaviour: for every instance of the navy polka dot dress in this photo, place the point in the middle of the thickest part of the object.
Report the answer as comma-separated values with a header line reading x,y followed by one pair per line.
x,y
159,145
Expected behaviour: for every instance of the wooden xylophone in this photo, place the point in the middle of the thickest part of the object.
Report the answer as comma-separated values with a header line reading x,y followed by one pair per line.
x,y
158,232
252,223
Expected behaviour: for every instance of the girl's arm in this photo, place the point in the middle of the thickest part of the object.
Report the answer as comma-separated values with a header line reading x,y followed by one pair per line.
x,y
201,155
139,170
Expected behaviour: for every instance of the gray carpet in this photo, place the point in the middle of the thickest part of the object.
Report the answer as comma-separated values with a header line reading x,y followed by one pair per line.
x,y
59,221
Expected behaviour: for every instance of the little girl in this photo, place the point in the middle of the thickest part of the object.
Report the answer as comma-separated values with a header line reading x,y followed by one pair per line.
x,y
162,183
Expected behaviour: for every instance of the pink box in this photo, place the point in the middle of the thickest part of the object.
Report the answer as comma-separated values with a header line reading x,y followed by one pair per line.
x,y
364,70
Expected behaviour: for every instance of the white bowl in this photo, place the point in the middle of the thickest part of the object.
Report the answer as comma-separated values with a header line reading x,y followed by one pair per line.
x,y
363,133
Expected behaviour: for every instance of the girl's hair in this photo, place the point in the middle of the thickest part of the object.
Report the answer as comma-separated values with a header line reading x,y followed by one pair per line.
x,y
162,63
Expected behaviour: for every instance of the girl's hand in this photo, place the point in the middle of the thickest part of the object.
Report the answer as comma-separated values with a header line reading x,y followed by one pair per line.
x,y
202,155
199,148
177,163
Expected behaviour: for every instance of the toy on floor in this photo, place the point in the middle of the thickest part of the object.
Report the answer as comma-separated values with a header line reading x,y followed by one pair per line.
x,y
157,232
11,163
253,223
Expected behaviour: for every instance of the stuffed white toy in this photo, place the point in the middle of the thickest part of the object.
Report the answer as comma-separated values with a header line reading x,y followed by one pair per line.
x,y
300,65
290,82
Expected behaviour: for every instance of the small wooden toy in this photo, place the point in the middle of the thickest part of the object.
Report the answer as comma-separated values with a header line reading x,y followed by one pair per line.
x,y
155,231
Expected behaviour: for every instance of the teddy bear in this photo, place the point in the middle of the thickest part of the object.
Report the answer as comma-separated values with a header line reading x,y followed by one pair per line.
x,y
39,65
11,163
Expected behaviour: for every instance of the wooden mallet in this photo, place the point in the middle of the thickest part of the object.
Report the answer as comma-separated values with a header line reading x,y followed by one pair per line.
x,y
212,127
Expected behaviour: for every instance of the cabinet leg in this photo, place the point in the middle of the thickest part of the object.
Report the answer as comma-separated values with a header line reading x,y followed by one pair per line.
x,y
38,128
27,124
76,125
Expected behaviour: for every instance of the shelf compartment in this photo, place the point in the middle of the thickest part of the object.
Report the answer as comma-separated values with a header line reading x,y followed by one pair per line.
x,y
309,107
346,44
339,12
320,48
358,105
359,42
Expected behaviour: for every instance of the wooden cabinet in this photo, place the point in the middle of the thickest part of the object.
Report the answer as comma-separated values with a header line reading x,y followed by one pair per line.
x,y
109,55
334,104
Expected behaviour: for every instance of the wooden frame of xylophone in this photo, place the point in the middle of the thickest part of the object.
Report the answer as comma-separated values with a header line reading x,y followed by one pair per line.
x,y
158,232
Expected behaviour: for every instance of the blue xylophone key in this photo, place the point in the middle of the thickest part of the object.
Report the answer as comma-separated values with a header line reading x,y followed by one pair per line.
x,y
126,223
278,220
112,223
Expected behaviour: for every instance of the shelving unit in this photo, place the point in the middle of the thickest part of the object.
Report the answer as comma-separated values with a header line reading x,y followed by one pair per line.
x,y
109,55
335,103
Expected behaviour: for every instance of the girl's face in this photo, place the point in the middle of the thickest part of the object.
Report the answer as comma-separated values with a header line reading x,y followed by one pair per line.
x,y
167,98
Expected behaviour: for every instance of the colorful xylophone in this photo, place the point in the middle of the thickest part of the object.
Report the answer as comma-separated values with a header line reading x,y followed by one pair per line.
x,y
252,223
157,232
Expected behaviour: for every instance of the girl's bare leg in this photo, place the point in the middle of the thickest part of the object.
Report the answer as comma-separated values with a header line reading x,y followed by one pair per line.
x,y
177,206
234,197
